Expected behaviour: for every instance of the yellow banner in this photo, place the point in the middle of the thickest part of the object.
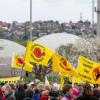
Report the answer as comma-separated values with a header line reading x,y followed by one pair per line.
x,y
78,79
88,70
37,53
10,79
18,62
61,64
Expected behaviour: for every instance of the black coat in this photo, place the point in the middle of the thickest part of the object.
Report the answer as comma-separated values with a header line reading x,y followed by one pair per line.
x,y
10,96
20,95
27,98
85,97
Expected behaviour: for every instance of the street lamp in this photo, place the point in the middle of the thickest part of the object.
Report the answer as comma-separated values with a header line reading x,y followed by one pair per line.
x,y
30,19
92,16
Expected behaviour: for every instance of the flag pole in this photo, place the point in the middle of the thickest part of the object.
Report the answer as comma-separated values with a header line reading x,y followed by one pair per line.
x,y
72,81
21,73
30,34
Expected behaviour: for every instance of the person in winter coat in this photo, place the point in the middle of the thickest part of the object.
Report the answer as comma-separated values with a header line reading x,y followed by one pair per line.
x,y
28,94
1,95
87,93
20,92
36,95
45,95
67,92
8,93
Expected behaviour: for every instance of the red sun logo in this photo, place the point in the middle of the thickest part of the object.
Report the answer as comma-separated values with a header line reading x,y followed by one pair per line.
x,y
64,62
96,73
38,52
20,61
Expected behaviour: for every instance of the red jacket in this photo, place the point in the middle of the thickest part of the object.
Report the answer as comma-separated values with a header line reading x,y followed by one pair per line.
x,y
43,98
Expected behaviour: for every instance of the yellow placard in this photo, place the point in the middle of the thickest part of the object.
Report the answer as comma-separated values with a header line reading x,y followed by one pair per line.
x,y
10,79
88,71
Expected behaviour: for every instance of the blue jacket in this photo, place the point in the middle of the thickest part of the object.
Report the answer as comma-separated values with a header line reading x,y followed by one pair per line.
x,y
36,96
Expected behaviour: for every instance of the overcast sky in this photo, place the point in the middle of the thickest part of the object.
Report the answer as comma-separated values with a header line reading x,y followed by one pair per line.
x,y
61,10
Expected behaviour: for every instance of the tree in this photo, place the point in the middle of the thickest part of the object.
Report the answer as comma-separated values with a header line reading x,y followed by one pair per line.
x,y
70,52
41,71
87,47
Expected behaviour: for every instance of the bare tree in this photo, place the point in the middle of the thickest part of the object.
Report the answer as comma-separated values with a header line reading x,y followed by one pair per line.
x,y
41,71
87,47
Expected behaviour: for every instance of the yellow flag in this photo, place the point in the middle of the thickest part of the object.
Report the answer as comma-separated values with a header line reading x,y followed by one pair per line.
x,y
61,64
18,62
37,53
28,67
88,70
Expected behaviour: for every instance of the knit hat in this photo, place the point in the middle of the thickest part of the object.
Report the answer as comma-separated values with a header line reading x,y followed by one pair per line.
x,y
75,91
40,85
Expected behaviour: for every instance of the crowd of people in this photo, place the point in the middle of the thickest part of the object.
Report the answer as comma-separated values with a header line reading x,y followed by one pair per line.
x,y
40,91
